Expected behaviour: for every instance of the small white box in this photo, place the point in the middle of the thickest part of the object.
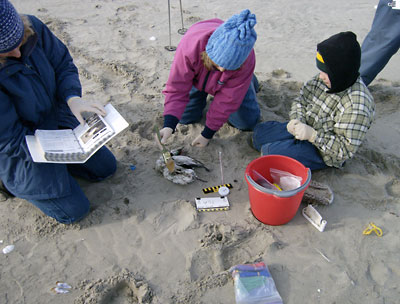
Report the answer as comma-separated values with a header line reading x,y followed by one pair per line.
x,y
212,204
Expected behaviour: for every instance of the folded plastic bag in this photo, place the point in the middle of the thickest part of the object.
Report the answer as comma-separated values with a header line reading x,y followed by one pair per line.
x,y
262,181
286,180
254,284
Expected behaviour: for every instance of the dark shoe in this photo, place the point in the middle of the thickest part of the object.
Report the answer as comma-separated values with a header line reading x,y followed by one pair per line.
x,y
4,193
3,197
318,194
250,141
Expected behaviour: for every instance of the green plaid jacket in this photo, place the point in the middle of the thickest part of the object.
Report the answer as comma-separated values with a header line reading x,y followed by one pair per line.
x,y
340,119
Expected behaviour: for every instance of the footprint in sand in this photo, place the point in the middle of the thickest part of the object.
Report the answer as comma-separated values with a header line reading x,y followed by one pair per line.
x,y
202,264
250,248
224,246
393,188
175,217
193,19
213,242
145,129
379,273
214,234
127,8
121,288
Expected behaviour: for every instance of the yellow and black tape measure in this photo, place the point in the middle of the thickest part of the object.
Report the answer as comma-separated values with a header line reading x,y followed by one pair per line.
x,y
215,188
214,209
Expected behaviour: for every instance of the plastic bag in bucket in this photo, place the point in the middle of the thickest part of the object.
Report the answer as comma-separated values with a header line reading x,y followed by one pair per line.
x,y
272,206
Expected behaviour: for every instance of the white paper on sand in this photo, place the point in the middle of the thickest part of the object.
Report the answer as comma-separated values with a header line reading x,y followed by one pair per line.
x,y
212,203
77,145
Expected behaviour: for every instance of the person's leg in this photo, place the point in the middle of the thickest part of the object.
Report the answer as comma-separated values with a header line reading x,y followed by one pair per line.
x,y
194,109
247,116
101,165
268,132
272,137
381,43
75,206
301,150
68,209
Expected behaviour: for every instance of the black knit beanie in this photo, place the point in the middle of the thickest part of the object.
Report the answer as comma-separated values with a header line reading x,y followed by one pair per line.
x,y
341,56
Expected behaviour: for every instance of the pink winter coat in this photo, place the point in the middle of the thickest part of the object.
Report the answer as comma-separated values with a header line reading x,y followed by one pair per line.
x,y
228,87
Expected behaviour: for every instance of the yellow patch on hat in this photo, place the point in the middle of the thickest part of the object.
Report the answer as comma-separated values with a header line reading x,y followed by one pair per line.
x,y
319,57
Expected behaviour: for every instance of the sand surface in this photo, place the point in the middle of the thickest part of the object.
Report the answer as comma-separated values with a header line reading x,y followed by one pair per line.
x,y
143,241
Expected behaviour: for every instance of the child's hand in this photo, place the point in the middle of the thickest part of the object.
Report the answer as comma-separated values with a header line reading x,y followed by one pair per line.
x,y
165,133
291,125
200,141
304,132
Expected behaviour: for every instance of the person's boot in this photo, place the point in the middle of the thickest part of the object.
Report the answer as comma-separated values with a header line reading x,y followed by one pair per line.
x,y
4,193
318,194
250,141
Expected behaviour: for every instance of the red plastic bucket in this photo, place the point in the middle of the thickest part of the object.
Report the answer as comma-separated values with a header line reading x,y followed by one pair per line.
x,y
274,207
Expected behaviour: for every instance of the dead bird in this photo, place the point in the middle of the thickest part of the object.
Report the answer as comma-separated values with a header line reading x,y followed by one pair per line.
x,y
179,176
177,151
184,168
188,162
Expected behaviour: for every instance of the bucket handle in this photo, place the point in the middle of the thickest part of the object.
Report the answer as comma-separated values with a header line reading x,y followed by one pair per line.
x,y
277,192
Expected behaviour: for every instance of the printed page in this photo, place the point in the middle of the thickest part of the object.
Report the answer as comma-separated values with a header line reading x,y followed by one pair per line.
x,y
93,133
58,141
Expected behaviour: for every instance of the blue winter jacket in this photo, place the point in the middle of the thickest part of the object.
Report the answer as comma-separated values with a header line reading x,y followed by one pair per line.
x,y
33,94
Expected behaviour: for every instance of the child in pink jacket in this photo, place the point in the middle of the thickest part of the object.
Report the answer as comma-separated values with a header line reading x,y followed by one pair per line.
x,y
217,58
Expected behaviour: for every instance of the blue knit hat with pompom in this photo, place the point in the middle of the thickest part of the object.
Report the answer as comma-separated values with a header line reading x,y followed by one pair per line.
x,y
11,27
231,43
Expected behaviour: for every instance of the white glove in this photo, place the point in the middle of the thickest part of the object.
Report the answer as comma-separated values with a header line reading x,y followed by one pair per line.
x,y
165,133
304,132
200,141
291,124
78,106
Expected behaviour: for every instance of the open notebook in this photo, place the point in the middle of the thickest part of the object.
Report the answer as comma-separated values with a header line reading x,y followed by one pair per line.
x,y
77,145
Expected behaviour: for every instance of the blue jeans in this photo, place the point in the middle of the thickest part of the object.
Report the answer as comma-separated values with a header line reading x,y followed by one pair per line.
x,y
272,137
74,207
382,41
245,118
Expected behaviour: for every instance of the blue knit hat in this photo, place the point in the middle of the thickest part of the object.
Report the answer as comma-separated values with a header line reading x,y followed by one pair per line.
x,y
11,27
231,43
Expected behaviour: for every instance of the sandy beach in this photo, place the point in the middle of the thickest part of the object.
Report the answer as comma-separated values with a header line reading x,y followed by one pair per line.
x,y
144,241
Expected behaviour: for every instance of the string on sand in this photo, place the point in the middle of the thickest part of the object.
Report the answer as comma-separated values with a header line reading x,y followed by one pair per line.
x,y
220,166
